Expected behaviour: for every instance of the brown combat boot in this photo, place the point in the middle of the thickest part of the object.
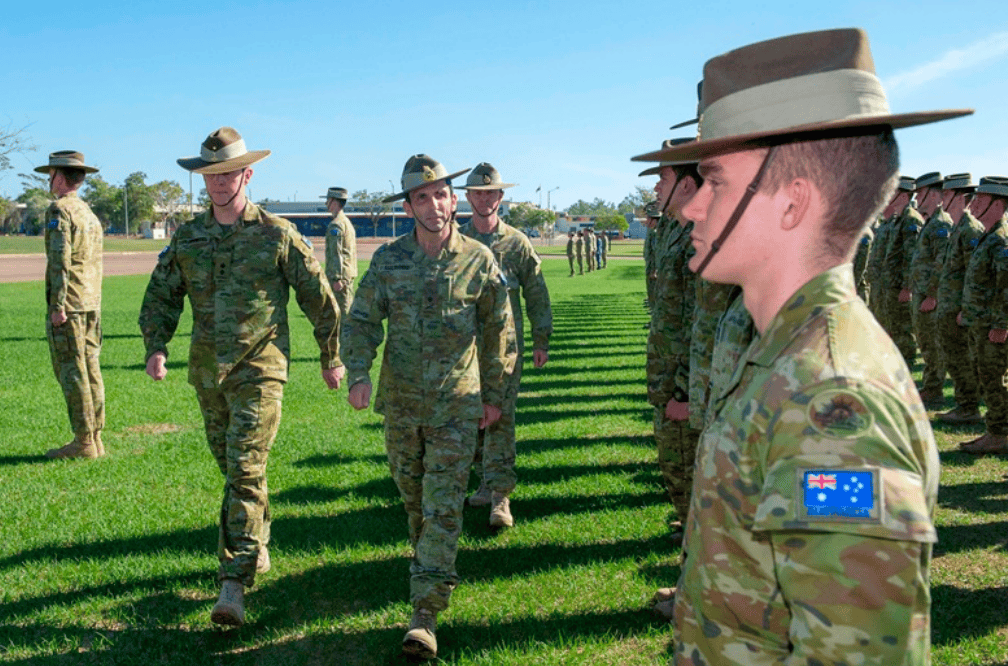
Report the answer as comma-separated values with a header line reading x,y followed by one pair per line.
x,y
663,601
263,563
83,448
230,607
479,498
500,514
987,444
960,415
420,640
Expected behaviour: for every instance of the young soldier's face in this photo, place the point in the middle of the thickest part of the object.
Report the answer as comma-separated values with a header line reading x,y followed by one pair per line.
x,y
485,202
222,187
334,206
432,206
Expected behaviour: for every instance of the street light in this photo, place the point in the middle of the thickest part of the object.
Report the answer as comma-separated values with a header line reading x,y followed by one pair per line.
x,y
391,192
548,196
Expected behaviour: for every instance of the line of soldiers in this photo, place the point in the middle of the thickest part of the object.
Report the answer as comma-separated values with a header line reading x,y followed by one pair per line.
x,y
595,246
932,270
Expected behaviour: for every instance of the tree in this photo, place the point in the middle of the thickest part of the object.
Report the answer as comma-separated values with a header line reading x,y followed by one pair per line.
x,y
636,201
372,204
105,200
517,215
140,201
13,140
611,222
203,199
582,208
36,201
9,221
170,201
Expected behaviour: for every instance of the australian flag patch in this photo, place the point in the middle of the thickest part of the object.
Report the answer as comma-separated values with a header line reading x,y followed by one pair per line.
x,y
843,493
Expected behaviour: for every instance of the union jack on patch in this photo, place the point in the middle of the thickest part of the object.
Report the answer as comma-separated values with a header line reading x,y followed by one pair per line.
x,y
822,481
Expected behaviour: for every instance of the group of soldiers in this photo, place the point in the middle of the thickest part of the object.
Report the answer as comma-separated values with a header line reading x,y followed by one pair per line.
x,y
445,300
933,272
595,245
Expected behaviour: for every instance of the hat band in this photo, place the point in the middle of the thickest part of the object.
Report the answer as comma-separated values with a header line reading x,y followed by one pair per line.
x,y
802,100
224,153
412,181
65,162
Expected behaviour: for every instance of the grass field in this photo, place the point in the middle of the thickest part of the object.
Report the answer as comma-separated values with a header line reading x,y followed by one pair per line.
x,y
36,244
113,561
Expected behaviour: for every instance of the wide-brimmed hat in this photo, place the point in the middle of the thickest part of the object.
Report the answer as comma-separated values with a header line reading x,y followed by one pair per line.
x,y
907,184
336,193
421,170
699,109
785,89
66,159
651,210
959,181
994,185
929,179
485,177
667,144
223,151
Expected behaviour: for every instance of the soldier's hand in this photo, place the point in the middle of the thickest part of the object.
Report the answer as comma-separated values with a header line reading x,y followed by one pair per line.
x,y
905,295
156,366
539,357
490,416
58,318
338,285
334,376
928,304
959,318
360,395
677,411
998,335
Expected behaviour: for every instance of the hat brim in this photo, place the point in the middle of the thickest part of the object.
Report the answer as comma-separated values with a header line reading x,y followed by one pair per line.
x,y
499,186
710,147
402,195
199,165
49,167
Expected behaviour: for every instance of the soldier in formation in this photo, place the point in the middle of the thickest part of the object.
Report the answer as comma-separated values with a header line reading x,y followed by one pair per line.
x,y
570,251
340,250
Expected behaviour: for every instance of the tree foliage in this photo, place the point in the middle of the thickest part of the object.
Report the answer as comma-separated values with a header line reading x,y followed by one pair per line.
x,y
582,208
611,222
635,201
372,204
13,140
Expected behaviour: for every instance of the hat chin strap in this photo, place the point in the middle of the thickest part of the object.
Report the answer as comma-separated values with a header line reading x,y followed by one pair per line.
x,y
237,191
743,203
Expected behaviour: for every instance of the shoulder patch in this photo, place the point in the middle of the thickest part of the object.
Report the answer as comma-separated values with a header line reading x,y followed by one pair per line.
x,y
54,223
164,252
839,414
335,231
1004,252
844,493
974,242
913,228
307,241
942,232
865,240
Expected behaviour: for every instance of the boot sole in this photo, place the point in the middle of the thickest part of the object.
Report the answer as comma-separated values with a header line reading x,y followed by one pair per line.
x,y
418,649
227,617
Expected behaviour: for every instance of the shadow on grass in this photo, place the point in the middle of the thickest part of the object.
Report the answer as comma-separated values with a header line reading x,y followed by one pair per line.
x,y
331,460
959,538
959,614
6,461
987,497
526,446
542,401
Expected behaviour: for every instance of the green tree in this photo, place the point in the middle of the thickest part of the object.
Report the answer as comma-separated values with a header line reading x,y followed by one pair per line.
x,y
635,201
140,201
36,201
590,209
517,215
372,204
171,203
105,200
9,221
13,140
611,222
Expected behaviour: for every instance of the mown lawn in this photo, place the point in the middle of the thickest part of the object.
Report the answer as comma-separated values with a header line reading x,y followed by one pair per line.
x,y
113,561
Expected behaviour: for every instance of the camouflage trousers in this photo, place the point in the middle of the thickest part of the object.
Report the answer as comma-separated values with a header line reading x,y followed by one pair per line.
x,y
877,305
677,445
241,421
604,259
570,259
497,443
430,466
901,327
926,332
580,265
992,367
344,299
590,260
960,361
74,349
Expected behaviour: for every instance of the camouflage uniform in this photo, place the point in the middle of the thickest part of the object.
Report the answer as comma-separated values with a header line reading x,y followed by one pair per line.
x,y
874,272
668,360
860,265
521,267
577,246
570,253
589,241
604,249
73,240
925,269
449,322
341,260
896,277
774,573
649,263
984,308
735,331
711,303
238,279
953,338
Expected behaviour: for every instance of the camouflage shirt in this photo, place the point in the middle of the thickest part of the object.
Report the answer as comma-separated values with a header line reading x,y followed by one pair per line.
x,y
73,241
861,263
876,257
668,344
711,303
238,279
811,524
521,267
434,368
985,287
962,241
925,265
899,249
735,331
341,250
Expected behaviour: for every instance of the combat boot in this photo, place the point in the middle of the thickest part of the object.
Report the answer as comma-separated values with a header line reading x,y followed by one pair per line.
x,y
960,415
99,446
663,602
987,444
932,399
420,640
230,607
77,448
263,560
500,514
481,497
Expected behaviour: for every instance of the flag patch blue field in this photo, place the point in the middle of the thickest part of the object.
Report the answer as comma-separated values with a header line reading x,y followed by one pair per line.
x,y
838,492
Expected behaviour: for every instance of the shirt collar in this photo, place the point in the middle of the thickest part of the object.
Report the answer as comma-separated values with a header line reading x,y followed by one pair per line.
x,y
452,246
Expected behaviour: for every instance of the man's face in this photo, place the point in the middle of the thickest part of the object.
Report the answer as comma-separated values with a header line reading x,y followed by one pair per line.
x,y
485,202
221,187
928,200
666,181
725,180
334,206
432,205
898,203
957,205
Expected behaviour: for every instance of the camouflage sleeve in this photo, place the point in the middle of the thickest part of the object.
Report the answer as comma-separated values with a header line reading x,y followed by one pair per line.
x,y
910,238
537,300
362,331
163,303
861,257
348,250
313,295
59,248
497,354
891,263
333,266
999,304
939,244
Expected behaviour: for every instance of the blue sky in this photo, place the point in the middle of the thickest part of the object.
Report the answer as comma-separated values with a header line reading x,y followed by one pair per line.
x,y
557,94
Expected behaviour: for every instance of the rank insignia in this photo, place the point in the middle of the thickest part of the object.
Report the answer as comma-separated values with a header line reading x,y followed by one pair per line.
x,y
428,174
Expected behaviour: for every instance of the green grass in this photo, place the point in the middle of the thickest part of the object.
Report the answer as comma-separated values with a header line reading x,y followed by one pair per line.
x,y
36,244
113,561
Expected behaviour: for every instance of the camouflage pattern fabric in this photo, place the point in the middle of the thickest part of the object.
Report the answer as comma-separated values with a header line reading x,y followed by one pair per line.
x,y
577,246
589,246
925,271
953,338
649,263
711,303
735,331
570,253
820,459
874,272
896,277
341,260
604,242
73,284
860,266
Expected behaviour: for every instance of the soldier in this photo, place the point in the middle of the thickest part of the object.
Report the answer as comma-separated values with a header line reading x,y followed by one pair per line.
x,y
860,264
604,241
985,312
589,246
820,454
651,218
73,286
577,246
450,344
876,276
570,251
924,267
484,190
340,250
237,264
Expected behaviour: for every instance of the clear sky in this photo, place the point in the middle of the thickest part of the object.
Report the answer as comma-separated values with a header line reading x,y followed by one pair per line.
x,y
553,93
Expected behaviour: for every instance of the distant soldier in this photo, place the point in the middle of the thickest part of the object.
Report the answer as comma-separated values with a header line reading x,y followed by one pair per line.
x,y
340,250
446,355
860,264
570,251
876,262
237,264
589,246
577,246
651,218
73,288
985,312
604,241
515,255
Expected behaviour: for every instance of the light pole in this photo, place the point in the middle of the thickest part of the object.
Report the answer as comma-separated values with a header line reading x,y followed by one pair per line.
x,y
392,205
548,197
126,204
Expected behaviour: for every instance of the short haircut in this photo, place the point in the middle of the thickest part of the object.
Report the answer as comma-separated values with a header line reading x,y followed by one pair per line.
x,y
73,176
856,176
